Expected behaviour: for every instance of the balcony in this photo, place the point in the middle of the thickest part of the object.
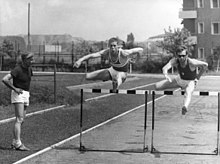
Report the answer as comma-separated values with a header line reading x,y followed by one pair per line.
x,y
189,14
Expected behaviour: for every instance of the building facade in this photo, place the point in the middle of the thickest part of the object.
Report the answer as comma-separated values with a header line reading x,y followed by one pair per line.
x,y
202,19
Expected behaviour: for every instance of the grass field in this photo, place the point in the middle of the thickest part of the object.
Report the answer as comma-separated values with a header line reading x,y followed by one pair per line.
x,y
42,90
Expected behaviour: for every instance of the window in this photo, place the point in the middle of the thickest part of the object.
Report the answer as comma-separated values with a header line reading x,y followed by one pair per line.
x,y
201,53
215,28
200,27
200,3
214,51
214,3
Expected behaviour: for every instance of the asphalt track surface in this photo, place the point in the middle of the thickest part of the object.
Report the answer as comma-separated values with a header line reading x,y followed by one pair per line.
x,y
191,140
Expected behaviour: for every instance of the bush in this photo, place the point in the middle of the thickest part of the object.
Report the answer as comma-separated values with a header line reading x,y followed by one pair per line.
x,y
8,64
154,65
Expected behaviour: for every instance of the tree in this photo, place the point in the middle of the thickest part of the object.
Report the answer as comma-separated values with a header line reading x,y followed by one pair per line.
x,y
8,48
173,39
130,41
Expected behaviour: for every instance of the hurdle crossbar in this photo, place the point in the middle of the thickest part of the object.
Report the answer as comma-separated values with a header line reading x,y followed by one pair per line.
x,y
142,92
121,91
198,93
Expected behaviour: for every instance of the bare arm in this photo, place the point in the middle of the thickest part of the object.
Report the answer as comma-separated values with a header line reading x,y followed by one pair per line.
x,y
167,67
201,64
7,81
133,51
92,55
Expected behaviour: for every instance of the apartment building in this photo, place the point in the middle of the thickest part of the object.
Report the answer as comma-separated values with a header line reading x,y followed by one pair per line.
x,y
202,19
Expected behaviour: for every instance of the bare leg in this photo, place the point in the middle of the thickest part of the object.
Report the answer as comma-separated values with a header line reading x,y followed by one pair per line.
x,y
165,84
121,77
102,74
19,114
188,95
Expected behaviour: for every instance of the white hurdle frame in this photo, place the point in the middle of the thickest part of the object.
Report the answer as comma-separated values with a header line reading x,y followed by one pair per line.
x,y
197,93
141,92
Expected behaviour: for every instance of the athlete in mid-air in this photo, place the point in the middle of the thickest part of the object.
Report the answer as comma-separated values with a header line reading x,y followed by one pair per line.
x,y
187,78
119,60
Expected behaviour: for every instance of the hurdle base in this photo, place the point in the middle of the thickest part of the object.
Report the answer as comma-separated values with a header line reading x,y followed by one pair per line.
x,y
216,151
82,148
153,150
145,149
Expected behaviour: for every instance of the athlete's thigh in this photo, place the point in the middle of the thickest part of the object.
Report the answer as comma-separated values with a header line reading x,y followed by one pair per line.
x,y
190,87
121,77
102,74
19,109
165,84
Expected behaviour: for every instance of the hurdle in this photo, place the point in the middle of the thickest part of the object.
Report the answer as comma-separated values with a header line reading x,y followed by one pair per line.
x,y
196,93
107,91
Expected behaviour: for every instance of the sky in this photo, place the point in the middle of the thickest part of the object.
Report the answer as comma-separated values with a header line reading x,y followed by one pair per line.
x,y
90,19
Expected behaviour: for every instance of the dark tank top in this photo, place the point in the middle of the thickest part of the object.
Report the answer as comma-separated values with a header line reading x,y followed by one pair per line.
x,y
186,73
121,63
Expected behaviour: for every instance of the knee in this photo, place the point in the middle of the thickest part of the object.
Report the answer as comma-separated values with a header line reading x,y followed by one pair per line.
x,y
87,76
19,120
157,86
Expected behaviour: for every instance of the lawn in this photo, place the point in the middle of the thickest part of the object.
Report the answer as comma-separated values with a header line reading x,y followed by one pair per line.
x,y
42,93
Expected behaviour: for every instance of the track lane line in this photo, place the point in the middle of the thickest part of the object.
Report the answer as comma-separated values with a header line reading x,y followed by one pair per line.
x,y
32,114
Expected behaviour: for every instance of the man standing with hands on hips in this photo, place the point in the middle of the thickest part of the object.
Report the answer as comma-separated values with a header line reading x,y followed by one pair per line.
x,y
21,76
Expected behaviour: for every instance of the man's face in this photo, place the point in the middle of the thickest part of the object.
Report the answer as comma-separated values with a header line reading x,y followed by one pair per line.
x,y
182,56
113,46
28,61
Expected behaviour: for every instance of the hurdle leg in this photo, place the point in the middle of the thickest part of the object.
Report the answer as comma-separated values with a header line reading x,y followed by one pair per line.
x,y
81,147
217,148
145,148
153,111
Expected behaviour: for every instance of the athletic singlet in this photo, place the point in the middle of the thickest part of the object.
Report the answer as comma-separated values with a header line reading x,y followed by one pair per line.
x,y
186,73
121,63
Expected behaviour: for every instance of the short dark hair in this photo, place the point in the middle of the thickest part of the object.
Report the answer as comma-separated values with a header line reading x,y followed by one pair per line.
x,y
116,39
26,55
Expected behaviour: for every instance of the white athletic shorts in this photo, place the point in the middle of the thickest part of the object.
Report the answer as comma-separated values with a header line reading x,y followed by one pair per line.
x,y
20,98
117,76
184,83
